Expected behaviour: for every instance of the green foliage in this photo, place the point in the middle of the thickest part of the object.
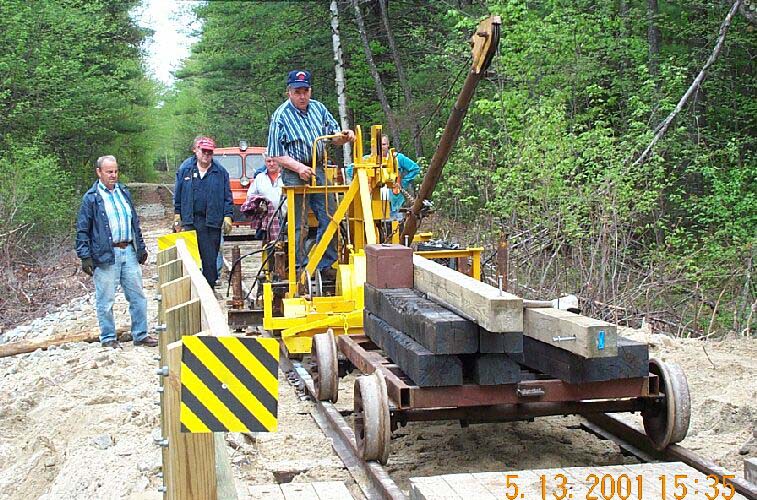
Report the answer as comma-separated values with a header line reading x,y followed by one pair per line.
x,y
550,138
73,79
37,201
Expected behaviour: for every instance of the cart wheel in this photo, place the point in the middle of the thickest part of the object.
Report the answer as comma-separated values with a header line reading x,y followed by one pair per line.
x,y
326,370
667,422
372,421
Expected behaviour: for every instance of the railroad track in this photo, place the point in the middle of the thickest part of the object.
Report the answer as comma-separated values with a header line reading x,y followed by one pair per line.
x,y
375,482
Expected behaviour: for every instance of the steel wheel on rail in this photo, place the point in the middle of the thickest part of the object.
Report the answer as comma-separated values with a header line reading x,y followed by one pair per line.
x,y
667,421
325,372
372,420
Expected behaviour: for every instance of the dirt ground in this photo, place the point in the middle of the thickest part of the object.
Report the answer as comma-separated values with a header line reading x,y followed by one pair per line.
x,y
722,378
79,421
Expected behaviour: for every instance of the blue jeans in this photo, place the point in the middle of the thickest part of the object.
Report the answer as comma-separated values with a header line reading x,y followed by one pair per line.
x,y
317,203
128,273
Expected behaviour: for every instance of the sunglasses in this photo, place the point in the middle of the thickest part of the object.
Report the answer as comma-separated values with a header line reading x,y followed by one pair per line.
x,y
207,151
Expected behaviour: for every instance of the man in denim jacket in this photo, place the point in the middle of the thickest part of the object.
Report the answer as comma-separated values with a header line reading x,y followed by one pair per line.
x,y
110,245
202,201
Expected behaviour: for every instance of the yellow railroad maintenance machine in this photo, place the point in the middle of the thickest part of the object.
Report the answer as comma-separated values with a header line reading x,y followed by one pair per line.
x,y
300,305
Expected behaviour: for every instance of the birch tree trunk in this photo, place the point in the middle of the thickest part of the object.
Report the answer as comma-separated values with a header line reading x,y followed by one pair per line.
x,y
663,127
402,78
339,76
393,130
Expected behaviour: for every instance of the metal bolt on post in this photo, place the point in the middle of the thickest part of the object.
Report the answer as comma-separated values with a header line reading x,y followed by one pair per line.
x,y
162,371
564,339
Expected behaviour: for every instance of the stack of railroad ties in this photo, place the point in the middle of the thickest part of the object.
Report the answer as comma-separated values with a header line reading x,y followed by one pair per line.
x,y
443,328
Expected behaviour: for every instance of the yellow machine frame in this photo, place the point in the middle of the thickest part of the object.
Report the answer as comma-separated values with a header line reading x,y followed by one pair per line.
x,y
361,207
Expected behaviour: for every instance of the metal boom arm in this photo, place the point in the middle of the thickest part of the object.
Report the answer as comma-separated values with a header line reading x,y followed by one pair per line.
x,y
485,42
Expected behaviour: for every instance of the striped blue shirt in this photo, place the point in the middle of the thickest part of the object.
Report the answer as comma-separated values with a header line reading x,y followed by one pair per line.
x,y
292,132
118,211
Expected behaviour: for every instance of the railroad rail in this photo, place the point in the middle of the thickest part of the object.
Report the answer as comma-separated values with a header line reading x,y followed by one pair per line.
x,y
375,483
380,485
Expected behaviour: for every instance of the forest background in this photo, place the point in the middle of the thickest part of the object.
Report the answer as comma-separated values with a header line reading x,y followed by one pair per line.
x,y
548,154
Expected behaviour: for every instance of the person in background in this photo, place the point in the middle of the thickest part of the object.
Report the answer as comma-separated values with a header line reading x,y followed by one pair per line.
x,y
267,185
407,170
190,159
202,202
110,245
294,126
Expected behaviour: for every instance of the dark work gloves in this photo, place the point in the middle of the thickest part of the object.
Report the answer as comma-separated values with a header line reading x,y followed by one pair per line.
x,y
143,257
88,266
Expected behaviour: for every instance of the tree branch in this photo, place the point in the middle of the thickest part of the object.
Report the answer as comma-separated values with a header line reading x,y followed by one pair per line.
x,y
663,127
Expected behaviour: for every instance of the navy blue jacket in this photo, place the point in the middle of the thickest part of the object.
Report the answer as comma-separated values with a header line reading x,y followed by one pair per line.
x,y
93,237
220,203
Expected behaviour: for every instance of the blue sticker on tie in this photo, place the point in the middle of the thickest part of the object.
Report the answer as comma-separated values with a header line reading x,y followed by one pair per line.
x,y
601,340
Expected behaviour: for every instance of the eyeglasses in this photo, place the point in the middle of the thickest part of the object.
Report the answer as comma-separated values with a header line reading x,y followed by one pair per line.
x,y
207,151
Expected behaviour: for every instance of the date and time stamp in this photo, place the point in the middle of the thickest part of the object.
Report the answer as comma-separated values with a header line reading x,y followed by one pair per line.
x,y
556,485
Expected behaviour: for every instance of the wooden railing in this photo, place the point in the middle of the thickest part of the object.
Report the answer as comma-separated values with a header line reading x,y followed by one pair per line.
x,y
195,466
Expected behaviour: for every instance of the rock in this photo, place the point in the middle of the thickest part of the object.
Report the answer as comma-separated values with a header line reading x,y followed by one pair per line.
x,y
101,399
141,484
50,462
104,359
149,467
103,441
749,447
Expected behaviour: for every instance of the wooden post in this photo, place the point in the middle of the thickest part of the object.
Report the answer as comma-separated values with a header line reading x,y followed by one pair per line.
x,y
502,260
176,321
225,485
183,319
173,293
192,470
168,271
166,255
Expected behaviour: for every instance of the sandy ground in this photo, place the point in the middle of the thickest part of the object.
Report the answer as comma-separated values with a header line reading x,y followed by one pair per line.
x,y
79,420
722,377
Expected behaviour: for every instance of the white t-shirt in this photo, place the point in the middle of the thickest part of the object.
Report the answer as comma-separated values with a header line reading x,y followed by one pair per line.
x,y
263,186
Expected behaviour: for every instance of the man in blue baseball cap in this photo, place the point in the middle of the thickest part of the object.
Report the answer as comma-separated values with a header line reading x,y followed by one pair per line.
x,y
294,127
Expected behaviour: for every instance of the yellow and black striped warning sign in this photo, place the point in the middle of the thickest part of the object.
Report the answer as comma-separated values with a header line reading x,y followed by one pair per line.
x,y
229,384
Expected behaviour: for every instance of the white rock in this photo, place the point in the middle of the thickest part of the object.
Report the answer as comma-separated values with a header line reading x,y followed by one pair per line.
x,y
103,441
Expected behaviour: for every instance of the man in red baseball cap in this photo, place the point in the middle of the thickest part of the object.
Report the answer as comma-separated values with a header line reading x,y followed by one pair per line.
x,y
202,202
